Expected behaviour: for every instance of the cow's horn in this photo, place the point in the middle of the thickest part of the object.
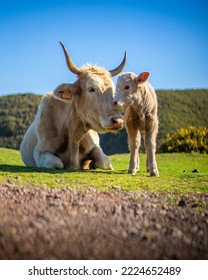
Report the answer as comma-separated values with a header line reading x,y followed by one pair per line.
x,y
69,62
118,70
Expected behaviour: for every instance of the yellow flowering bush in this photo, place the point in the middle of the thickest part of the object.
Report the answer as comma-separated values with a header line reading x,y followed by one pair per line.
x,y
186,140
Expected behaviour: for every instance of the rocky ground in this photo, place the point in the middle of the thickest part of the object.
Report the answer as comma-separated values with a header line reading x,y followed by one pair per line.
x,y
42,223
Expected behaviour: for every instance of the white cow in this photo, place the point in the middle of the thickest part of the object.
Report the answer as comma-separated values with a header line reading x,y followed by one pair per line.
x,y
64,132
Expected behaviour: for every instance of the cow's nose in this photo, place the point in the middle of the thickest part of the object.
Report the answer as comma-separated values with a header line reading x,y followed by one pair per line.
x,y
117,121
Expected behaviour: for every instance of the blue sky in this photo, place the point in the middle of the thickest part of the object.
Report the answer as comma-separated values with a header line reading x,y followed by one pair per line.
x,y
167,38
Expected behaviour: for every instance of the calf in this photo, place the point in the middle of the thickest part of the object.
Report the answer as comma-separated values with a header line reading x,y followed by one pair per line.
x,y
139,98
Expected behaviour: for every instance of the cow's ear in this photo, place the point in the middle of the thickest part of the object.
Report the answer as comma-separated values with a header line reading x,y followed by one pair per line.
x,y
64,92
143,77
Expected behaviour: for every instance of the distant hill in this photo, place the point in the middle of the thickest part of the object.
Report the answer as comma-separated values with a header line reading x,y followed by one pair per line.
x,y
177,109
16,114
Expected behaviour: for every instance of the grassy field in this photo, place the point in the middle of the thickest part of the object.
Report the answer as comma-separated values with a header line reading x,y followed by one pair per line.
x,y
172,178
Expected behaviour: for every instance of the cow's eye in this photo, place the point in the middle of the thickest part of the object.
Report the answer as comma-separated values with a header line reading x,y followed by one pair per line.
x,y
126,87
91,89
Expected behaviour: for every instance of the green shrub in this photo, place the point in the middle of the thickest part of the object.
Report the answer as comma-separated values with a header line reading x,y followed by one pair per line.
x,y
186,140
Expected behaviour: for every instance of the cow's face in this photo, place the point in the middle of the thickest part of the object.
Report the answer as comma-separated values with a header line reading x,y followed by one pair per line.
x,y
128,89
96,100
93,94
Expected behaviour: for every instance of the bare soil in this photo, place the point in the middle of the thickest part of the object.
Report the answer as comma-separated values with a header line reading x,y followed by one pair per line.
x,y
43,223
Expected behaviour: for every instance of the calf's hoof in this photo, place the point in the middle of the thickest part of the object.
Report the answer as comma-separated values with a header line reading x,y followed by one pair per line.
x,y
132,171
154,173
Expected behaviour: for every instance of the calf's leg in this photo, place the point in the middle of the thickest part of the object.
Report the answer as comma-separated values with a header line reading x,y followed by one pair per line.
x,y
134,141
150,145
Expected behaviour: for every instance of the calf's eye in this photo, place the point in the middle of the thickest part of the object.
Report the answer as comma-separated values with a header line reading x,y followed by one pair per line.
x,y
126,87
91,89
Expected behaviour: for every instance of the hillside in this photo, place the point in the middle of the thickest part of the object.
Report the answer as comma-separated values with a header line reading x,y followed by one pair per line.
x,y
16,114
177,109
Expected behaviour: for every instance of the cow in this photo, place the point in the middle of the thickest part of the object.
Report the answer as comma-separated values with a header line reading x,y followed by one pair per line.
x,y
137,96
64,133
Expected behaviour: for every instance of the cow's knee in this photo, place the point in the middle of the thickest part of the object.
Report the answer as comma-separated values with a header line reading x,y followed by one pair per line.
x,y
48,160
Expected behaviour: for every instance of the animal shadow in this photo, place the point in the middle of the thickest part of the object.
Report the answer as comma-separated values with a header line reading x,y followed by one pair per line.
x,y
24,169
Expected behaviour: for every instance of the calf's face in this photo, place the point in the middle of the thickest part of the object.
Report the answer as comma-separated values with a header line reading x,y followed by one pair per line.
x,y
128,89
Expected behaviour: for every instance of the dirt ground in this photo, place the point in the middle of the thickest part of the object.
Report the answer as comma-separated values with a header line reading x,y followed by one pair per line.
x,y
42,223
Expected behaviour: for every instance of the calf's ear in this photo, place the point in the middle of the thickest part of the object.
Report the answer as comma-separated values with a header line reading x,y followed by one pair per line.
x,y
64,92
143,77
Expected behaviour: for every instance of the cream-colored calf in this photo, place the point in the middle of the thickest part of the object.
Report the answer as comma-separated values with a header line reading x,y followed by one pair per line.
x,y
139,98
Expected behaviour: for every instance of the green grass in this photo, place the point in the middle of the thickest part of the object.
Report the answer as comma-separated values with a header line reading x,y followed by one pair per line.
x,y
171,167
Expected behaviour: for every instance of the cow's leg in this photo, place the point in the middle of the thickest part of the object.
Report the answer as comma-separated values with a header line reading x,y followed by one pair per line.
x,y
74,163
100,159
74,155
90,153
134,141
47,160
150,145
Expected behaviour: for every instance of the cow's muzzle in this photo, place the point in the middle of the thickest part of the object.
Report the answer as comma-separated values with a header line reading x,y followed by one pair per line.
x,y
116,123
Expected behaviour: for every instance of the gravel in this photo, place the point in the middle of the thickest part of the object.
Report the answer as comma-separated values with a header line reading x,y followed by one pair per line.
x,y
43,223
